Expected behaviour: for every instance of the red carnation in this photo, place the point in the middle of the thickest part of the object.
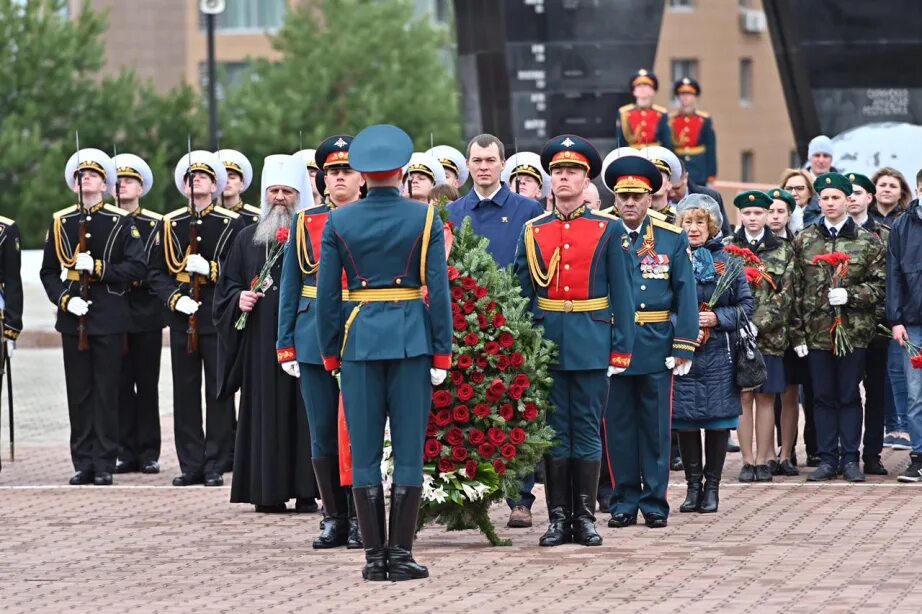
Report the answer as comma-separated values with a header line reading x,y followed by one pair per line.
x,y
281,235
480,292
521,381
453,273
441,398
499,466
516,392
459,454
470,469
457,293
482,321
506,411
461,414
433,448
477,377
497,387
465,361
499,320
530,412
508,451
443,417
517,359
471,339
517,436
459,322
445,465
486,450
491,347
481,410
506,340
454,436
468,307
482,362
457,378
503,362
495,435
468,283
916,361
476,437
491,306
465,392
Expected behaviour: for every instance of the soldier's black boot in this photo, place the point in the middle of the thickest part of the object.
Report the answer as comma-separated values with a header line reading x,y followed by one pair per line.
x,y
334,528
369,509
355,535
557,493
404,513
715,453
584,476
690,446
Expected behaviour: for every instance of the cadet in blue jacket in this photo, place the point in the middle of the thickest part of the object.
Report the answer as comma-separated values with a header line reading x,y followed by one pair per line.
x,y
574,270
391,348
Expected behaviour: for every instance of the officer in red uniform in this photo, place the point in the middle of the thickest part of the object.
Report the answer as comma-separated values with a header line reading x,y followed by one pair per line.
x,y
643,123
692,133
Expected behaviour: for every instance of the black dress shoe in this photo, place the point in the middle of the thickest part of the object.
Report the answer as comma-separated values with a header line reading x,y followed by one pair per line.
x,y
654,521
150,466
126,467
82,478
619,521
354,541
852,473
306,506
102,478
747,473
763,473
278,508
873,466
188,479
676,464
214,479
823,473
813,460
774,467
788,468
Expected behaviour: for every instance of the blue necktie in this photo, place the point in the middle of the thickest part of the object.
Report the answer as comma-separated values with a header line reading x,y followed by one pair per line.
x,y
833,232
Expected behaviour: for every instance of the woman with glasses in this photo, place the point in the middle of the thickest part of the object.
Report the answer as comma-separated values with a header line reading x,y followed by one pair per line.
x,y
799,183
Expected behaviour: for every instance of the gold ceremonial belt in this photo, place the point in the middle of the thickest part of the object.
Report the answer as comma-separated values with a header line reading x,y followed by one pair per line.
x,y
73,275
651,317
690,151
592,304
383,295
311,292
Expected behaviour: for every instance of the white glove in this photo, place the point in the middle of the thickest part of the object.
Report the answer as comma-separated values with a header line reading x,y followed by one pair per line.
x,y
801,351
185,305
682,369
615,370
437,376
838,297
10,346
84,263
670,362
291,368
77,306
197,264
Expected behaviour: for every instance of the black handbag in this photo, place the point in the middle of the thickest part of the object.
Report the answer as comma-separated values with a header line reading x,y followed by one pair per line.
x,y
750,365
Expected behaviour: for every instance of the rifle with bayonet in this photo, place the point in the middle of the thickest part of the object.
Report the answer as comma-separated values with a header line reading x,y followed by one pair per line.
x,y
83,342
195,280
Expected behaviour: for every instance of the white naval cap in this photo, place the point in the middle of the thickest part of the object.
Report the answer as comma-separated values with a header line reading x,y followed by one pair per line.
x,y
204,161
130,165
90,159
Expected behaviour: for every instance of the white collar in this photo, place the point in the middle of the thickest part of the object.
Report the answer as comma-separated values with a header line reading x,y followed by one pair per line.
x,y
862,221
838,226
491,196
629,229
751,238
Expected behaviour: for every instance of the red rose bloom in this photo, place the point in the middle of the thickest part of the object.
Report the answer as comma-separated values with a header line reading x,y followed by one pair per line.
x,y
443,417
468,283
455,308
457,378
499,320
517,436
470,470
281,235
916,361
508,451
497,387
477,377
445,465
480,292
469,307
521,381
482,362
432,448
517,359
481,410
459,454
516,392
465,361
471,339
502,363
491,306
460,324
499,466
486,450
491,347
495,435
441,398
454,436
531,411
457,293
482,321
431,429
465,392
453,273
476,437
461,414
506,411
506,340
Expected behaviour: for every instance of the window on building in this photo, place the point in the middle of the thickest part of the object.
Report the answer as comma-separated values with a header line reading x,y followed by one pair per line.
x,y
251,15
680,68
747,166
745,81
682,5
229,75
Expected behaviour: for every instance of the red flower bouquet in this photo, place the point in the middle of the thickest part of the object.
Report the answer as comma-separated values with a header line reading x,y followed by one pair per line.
x,y
836,266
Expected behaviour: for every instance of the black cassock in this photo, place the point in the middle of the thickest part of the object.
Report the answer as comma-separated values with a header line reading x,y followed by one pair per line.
x,y
272,457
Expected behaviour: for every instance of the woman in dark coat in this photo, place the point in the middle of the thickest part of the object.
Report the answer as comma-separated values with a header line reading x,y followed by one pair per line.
x,y
708,398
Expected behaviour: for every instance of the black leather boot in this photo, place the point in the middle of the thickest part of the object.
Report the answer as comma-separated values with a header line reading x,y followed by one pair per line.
x,y
355,535
369,510
690,446
584,475
334,529
404,512
557,493
715,453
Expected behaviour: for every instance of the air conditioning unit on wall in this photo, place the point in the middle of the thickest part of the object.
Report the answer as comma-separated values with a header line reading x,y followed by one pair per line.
x,y
753,21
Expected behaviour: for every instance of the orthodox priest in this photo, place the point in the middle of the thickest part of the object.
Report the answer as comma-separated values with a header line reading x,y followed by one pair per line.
x,y
272,463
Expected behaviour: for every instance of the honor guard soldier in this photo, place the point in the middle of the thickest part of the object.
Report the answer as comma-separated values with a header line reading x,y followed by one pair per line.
x,y
391,348
93,253
139,400
820,309
637,419
524,175
423,172
310,163
10,283
692,133
298,353
196,238
337,181
454,164
643,123
577,277
239,177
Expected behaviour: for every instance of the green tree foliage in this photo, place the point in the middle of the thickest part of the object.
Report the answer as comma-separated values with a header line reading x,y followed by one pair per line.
x,y
346,64
50,86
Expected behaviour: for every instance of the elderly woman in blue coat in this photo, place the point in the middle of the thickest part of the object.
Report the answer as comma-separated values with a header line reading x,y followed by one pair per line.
x,y
708,399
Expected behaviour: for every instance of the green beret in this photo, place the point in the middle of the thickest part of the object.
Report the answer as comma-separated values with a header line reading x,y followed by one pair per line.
x,y
833,180
753,198
862,181
779,194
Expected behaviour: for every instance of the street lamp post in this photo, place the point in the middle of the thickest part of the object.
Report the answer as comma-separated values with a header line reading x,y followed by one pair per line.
x,y
212,8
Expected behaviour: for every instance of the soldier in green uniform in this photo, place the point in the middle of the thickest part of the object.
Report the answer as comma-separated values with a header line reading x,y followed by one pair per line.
x,y
239,178
819,307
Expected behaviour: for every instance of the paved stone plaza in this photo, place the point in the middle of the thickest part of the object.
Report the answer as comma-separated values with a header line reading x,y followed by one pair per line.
x,y
144,546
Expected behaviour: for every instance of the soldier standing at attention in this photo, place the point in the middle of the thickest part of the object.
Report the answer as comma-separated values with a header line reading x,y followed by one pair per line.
x,y
643,123
692,133
10,283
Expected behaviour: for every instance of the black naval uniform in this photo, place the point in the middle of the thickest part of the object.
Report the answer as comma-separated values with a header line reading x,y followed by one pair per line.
x,y
10,279
248,213
200,454
139,401
92,375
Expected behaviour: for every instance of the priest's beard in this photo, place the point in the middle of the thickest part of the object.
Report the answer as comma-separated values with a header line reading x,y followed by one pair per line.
x,y
270,223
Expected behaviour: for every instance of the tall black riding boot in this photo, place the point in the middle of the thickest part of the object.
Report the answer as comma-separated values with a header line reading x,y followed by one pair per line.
x,y
354,542
715,453
334,527
690,446
585,478
369,509
404,513
557,493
